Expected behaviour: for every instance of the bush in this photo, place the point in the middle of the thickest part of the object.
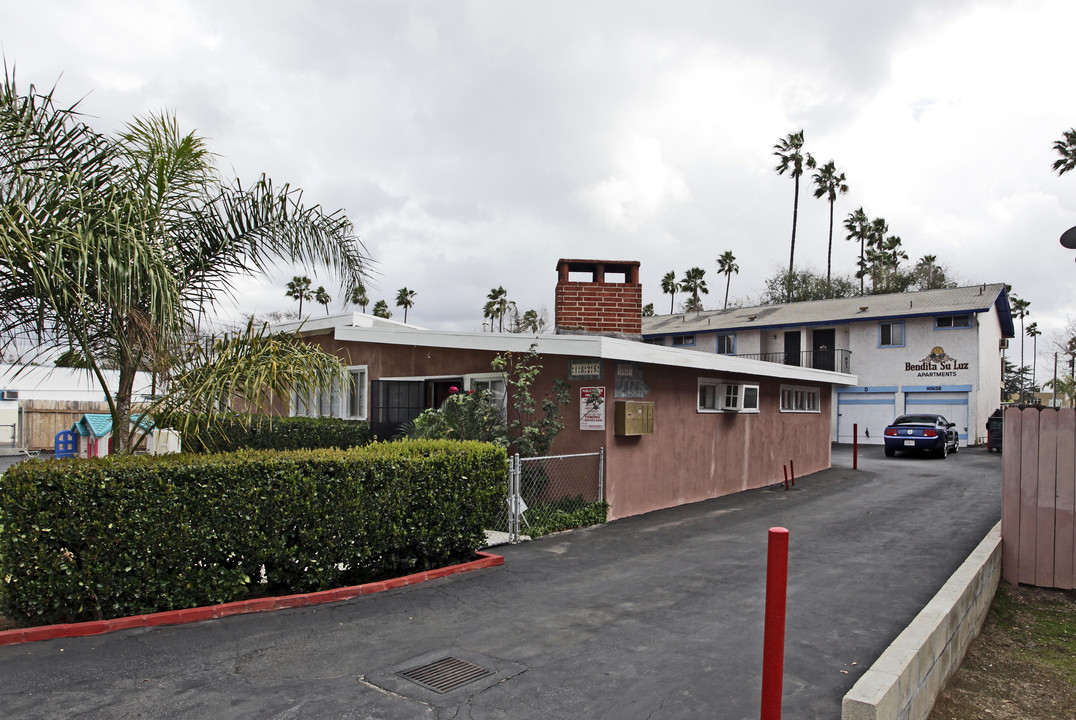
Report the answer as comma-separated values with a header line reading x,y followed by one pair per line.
x,y
108,537
565,514
258,432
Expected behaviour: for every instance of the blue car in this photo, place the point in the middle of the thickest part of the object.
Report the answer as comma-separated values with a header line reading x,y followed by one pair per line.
x,y
924,432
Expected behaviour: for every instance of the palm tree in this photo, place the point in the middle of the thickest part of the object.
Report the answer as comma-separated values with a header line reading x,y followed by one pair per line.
x,y
497,307
115,247
299,289
694,283
1033,332
669,286
858,226
1020,310
1066,148
406,299
829,182
323,298
792,160
726,265
381,310
360,298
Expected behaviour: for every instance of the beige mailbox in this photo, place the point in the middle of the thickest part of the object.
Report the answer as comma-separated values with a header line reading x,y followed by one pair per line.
x,y
633,417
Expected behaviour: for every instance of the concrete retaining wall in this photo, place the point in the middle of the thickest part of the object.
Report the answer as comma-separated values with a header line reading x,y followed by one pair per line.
x,y
905,681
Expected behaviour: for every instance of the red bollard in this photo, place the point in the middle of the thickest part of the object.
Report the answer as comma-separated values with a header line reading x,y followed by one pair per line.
x,y
855,446
773,642
792,467
785,468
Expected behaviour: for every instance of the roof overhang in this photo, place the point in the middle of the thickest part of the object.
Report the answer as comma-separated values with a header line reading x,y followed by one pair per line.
x,y
589,346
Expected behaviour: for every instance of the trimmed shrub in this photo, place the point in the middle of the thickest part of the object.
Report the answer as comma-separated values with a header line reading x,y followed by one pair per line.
x,y
258,432
109,537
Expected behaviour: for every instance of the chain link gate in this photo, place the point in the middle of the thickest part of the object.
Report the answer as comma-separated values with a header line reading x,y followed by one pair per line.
x,y
554,492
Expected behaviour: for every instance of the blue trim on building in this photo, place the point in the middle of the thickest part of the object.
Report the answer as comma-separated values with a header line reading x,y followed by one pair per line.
x,y
871,388
876,401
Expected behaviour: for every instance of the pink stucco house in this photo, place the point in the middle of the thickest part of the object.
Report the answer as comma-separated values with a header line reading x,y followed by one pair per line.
x,y
677,426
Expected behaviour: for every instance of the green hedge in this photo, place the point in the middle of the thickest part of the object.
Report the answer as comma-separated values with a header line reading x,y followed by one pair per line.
x,y
109,537
258,432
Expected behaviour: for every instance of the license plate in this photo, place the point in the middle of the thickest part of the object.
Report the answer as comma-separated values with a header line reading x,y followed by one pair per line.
x,y
909,443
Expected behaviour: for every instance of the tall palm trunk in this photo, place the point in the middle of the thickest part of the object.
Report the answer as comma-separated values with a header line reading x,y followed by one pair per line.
x,y
829,251
795,215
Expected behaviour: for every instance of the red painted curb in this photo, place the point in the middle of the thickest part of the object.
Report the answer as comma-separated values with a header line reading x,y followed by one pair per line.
x,y
189,615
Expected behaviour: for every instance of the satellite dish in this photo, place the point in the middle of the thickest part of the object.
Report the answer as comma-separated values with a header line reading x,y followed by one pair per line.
x,y
1068,238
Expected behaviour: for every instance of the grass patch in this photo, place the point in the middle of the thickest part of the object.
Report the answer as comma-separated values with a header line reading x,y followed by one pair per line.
x,y
1023,664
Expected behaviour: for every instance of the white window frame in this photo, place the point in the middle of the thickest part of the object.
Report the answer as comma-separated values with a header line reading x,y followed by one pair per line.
x,y
715,395
336,401
476,380
800,399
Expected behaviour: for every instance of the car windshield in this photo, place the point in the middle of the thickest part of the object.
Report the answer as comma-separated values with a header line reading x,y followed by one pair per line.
x,y
916,420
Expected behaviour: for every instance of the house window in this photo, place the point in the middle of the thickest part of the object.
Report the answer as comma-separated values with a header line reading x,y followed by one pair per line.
x,y
493,383
726,344
727,396
891,334
346,400
683,340
948,322
800,399
654,340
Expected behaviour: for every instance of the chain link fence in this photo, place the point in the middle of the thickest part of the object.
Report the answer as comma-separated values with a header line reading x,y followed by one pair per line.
x,y
552,493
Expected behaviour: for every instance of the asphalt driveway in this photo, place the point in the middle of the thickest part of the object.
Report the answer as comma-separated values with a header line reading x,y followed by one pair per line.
x,y
656,616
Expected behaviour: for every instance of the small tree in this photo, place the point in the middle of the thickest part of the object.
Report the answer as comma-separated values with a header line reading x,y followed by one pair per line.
x,y
726,265
360,298
323,298
531,434
669,286
406,299
381,310
648,310
694,282
299,289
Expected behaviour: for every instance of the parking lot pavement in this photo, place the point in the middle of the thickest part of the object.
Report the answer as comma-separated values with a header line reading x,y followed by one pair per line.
x,y
654,616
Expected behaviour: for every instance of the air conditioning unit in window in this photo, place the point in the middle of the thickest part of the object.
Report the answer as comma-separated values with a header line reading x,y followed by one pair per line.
x,y
731,397
11,395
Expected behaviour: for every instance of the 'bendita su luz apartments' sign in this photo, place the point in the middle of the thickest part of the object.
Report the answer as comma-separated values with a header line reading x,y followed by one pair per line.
x,y
936,364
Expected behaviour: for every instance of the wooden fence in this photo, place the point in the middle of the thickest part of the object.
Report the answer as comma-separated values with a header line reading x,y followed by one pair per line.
x,y
42,419
1038,484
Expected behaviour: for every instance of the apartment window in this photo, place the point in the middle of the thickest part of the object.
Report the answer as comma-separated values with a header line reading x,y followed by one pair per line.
x,y
654,341
493,383
949,322
727,396
683,340
891,334
346,400
800,399
726,344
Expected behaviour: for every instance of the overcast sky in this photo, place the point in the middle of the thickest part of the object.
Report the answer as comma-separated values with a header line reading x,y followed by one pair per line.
x,y
473,144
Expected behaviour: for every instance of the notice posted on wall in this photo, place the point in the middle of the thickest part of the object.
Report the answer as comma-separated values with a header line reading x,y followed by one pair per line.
x,y
592,408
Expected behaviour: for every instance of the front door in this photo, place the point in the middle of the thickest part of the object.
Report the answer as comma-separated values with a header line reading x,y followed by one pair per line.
x,y
792,347
823,349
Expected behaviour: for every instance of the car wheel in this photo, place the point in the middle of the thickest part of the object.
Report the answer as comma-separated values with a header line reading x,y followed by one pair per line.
x,y
890,452
944,452
956,446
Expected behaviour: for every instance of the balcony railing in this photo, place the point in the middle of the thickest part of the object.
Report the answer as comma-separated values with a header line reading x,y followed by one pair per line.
x,y
835,360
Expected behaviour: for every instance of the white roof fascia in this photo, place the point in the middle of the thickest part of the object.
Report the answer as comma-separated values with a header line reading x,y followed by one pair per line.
x,y
592,346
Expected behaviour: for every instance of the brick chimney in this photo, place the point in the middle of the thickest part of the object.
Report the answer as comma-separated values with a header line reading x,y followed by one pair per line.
x,y
598,305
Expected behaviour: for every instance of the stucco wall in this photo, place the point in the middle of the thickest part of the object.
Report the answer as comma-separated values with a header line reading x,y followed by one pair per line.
x,y
691,456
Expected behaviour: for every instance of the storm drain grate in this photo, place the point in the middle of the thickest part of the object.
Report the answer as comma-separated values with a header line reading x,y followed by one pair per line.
x,y
445,675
